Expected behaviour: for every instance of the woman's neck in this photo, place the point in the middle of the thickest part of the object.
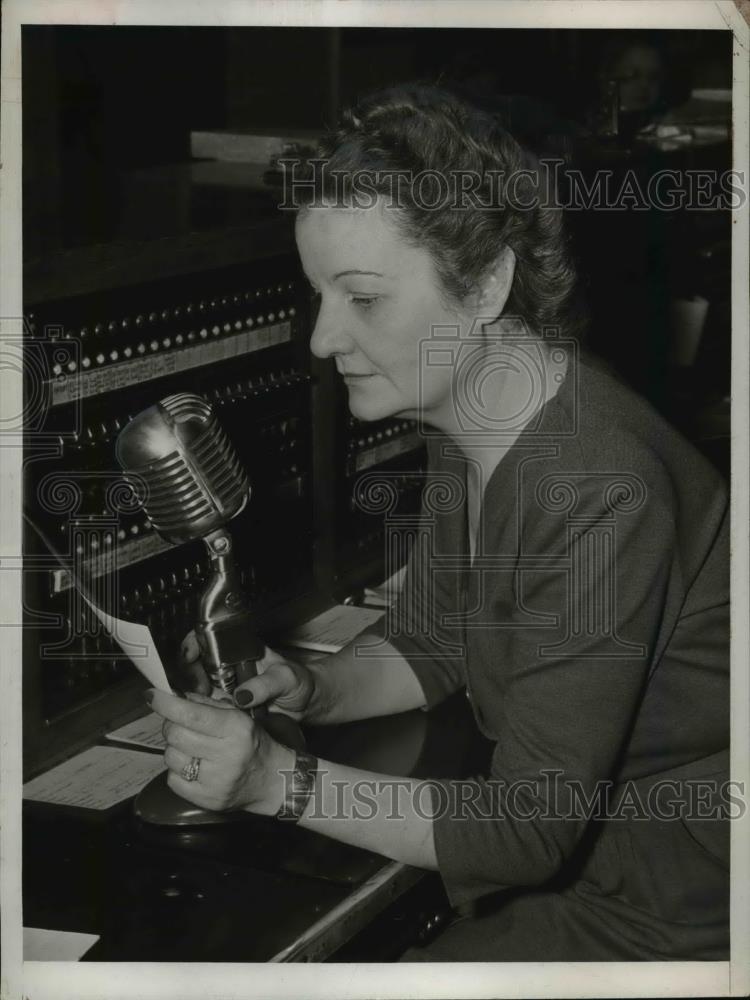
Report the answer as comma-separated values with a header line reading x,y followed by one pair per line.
x,y
498,392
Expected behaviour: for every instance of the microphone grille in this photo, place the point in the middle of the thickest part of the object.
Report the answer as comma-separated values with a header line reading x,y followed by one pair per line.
x,y
186,406
183,467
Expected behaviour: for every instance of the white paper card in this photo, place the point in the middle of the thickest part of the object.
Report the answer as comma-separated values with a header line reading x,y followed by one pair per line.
x,y
333,629
40,945
145,732
137,643
95,779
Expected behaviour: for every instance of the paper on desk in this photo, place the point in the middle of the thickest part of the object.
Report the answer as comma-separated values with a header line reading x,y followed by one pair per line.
x,y
137,643
333,629
40,945
95,779
386,593
145,732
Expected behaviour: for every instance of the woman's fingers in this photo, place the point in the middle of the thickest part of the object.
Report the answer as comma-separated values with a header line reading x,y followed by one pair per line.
x,y
275,682
284,685
219,699
278,680
191,743
176,760
190,651
208,770
191,675
206,716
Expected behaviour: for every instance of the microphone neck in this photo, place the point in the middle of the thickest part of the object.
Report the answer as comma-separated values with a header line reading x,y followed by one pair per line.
x,y
223,596
225,629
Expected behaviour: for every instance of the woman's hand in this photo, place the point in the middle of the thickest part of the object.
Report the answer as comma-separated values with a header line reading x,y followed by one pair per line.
x,y
241,766
284,685
191,674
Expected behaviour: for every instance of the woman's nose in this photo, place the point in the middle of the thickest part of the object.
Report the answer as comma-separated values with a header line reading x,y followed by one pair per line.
x,y
328,336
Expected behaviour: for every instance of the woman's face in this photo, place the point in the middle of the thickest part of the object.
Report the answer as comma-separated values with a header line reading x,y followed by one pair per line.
x,y
380,298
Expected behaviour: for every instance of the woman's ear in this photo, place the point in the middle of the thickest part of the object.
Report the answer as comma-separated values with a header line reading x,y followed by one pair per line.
x,y
496,285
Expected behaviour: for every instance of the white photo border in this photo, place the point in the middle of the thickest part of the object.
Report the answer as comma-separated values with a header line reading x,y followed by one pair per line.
x,y
42,980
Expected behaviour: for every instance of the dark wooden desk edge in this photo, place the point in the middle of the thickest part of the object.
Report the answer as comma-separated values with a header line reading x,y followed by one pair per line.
x,y
351,915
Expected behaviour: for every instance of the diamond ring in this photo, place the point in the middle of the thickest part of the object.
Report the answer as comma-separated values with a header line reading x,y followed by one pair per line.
x,y
190,771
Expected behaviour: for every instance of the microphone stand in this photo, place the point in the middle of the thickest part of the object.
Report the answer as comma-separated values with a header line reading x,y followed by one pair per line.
x,y
190,483
230,650
225,630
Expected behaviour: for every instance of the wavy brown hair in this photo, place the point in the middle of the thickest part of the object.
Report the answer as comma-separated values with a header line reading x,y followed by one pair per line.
x,y
418,130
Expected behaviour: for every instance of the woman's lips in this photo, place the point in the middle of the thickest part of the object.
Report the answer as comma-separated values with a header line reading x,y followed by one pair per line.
x,y
353,377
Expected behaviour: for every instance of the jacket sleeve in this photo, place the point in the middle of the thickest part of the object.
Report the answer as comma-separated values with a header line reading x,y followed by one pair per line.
x,y
568,689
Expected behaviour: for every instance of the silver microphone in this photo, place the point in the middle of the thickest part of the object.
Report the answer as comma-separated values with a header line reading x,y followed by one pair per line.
x,y
179,453
184,470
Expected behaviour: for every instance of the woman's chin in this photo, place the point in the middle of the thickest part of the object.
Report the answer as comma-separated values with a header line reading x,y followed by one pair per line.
x,y
368,411
367,406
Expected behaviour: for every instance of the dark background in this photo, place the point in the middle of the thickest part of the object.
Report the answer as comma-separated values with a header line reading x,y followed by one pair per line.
x,y
101,103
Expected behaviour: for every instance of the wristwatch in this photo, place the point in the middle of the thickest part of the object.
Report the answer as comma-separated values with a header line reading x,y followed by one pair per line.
x,y
299,786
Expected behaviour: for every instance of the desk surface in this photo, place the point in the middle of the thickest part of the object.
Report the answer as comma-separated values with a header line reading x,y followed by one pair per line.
x,y
250,891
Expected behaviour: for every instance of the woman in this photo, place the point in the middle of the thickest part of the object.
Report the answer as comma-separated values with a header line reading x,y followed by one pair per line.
x,y
582,556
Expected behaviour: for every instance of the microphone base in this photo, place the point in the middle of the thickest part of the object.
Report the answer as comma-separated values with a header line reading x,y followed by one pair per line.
x,y
158,805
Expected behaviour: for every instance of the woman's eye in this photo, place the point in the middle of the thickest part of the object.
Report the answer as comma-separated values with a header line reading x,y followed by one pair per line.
x,y
364,301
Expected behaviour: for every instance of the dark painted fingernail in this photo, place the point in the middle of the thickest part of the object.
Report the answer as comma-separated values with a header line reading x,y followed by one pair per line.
x,y
243,698
149,696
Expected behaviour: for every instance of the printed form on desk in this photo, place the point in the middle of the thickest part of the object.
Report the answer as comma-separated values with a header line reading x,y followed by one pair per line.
x,y
144,732
98,778
333,629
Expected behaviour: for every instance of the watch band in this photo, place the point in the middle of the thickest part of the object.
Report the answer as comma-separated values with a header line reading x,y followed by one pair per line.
x,y
299,787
